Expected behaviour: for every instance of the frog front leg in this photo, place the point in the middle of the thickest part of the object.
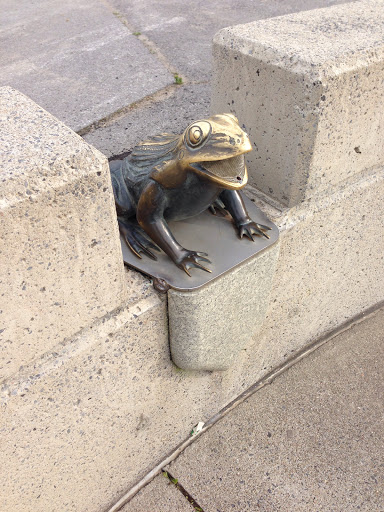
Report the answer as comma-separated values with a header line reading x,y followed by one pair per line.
x,y
244,224
150,216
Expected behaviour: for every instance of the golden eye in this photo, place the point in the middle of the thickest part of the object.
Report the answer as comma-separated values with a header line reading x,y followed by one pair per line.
x,y
195,135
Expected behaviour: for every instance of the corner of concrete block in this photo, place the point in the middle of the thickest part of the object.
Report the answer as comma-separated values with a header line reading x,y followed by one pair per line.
x,y
307,87
61,257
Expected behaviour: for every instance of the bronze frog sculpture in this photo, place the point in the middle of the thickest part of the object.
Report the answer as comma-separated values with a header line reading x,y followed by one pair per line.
x,y
174,177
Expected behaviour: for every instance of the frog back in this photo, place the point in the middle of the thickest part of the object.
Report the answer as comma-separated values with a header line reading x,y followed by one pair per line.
x,y
145,157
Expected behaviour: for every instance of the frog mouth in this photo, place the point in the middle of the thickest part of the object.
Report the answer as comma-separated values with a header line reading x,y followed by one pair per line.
x,y
230,172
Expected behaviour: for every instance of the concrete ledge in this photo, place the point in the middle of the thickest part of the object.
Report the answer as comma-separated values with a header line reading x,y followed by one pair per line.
x,y
308,87
60,257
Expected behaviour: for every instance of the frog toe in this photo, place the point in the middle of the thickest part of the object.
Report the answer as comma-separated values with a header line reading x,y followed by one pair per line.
x,y
251,229
192,259
139,248
136,240
203,257
218,206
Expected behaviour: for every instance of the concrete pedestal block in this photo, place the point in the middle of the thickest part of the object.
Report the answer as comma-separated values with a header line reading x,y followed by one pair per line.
x,y
308,87
209,326
60,256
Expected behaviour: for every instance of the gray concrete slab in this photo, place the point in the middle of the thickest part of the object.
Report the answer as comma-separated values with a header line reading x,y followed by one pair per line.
x,y
160,496
172,112
75,59
184,30
311,441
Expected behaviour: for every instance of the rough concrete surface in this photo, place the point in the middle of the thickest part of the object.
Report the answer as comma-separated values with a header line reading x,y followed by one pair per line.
x,y
143,406
160,496
313,440
209,327
308,87
330,269
76,425
75,58
177,108
60,257
184,30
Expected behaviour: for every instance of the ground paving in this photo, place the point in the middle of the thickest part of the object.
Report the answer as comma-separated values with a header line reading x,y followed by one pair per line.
x,y
311,441
75,58
105,67
176,108
184,30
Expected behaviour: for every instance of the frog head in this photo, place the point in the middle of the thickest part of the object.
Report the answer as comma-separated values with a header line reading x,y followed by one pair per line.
x,y
215,148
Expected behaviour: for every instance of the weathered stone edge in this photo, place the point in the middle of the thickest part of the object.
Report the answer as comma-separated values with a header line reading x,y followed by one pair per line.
x,y
69,348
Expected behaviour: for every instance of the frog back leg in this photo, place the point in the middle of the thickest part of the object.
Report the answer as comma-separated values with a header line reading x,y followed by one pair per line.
x,y
124,201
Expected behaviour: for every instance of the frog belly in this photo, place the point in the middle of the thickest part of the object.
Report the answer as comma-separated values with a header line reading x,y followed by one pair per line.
x,y
190,201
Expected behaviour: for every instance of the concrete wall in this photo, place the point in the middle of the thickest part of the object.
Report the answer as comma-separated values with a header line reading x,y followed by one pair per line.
x,y
308,88
60,259
98,402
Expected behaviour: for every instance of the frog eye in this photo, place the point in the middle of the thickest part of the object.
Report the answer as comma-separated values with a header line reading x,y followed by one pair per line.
x,y
195,135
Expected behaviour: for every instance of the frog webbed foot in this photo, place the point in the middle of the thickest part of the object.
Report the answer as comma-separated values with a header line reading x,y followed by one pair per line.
x,y
136,240
218,206
191,259
250,228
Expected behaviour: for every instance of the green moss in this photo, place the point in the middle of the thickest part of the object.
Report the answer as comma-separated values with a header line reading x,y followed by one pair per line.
x,y
178,79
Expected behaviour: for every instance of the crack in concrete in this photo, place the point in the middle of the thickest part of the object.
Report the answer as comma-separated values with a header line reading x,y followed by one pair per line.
x,y
150,45
155,97
108,120
183,491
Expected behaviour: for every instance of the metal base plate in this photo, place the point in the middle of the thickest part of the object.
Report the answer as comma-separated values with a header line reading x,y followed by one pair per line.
x,y
213,234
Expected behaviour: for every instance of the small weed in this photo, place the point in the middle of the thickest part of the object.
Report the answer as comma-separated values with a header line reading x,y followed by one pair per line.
x,y
137,33
178,79
175,482
170,478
